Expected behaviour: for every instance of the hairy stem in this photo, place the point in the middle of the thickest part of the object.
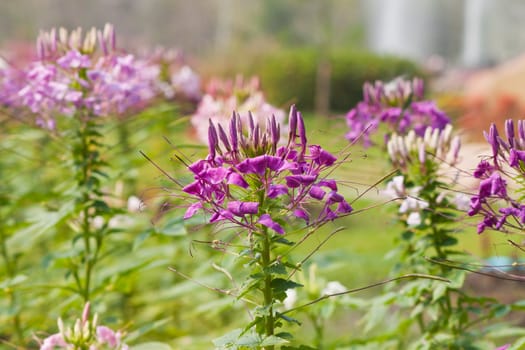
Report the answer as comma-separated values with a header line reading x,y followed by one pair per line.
x,y
269,322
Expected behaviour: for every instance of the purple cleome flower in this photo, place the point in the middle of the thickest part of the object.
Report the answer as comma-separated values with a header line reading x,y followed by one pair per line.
x,y
507,163
75,77
399,105
252,180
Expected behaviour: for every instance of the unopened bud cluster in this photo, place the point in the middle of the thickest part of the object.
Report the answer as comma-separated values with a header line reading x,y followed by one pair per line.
x,y
56,42
394,93
435,147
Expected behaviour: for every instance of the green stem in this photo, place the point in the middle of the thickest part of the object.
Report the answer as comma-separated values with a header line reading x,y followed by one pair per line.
x,y
86,162
269,322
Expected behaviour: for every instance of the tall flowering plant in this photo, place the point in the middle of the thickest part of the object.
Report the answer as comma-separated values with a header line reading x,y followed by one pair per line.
x,y
79,81
254,183
424,151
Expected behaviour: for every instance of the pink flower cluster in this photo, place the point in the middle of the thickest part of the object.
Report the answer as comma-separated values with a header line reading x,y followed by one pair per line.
x,y
399,105
249,180
85,76
86,334
507,164
223,97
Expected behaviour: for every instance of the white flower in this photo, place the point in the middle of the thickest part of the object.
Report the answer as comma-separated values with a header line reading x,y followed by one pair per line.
x,y
98,222
414,219
291,298
333,287
412,204
135,204
395,188
462,201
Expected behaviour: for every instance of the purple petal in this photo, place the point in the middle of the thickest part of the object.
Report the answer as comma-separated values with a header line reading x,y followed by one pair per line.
x,y
267,221
320,156
236,179
331,184
295,181
239,208
215,175
276,190
192,210
317,192
302,214
515,157
344,208
334,197
222,215
195,188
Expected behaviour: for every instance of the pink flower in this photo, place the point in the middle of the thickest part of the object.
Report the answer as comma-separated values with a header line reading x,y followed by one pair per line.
x,y
53,341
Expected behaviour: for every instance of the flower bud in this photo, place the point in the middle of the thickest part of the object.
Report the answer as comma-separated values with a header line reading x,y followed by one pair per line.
x,y
212,139
292,120
509,131
422,153
109,36
224,138
85,313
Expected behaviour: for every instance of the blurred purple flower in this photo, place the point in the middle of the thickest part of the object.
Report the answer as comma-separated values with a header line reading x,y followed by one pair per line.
x,y
399,105
72,77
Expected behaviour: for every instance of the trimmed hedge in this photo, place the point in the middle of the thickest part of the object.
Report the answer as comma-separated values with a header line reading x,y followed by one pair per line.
x,y
290,76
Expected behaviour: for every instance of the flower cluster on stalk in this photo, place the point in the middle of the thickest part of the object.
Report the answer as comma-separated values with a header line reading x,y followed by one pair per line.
x,y
83,75
85,334
420,160
249,179
497,205
399,105
223,97
433,148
